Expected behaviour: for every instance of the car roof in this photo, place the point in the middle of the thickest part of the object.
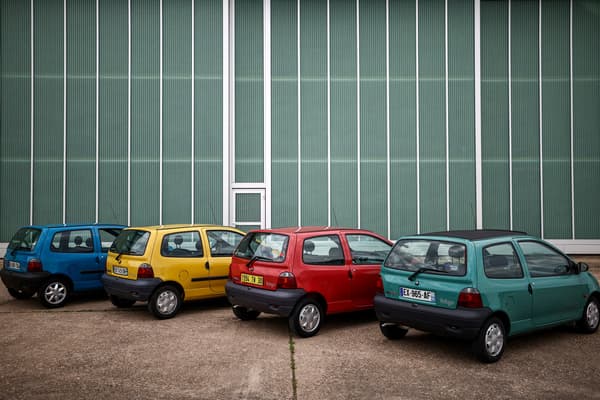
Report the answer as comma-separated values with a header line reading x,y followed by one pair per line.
x,y
476,234
178,226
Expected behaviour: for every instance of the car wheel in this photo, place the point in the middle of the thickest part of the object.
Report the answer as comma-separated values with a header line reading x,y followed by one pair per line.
x,y
20,294
165,302
244,314
120,302
307,318
490,343
54,293
591,317
392,331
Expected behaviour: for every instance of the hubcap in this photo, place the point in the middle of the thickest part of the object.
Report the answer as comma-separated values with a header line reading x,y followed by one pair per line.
x,y
55,293
309,318
166,302
494,340
592,314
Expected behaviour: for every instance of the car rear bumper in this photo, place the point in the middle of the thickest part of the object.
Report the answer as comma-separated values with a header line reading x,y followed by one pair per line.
x,y
463,323
24,281
139,290
279,302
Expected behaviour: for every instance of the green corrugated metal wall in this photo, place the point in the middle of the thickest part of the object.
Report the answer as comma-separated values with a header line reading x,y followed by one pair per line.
x,y
332,138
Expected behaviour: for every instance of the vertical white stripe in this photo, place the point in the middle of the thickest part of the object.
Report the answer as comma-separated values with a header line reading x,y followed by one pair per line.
x,y
129,112
541,118
510,146
387,115
31,117
328,115
97,109
299,98
193,155
478,160
160,119
417,114
64,188
267,111
227,79
571,105
358,111
446,116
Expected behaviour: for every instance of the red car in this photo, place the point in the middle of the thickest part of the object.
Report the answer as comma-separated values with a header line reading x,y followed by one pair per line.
x,y
305,273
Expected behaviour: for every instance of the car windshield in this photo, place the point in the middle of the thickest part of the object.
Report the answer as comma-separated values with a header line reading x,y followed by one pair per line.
x,y
263,245
25,239
428,256
131,242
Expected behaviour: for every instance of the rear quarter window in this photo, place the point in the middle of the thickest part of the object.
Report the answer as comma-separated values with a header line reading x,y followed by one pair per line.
x,y
500,261
75,241
182,244
323,250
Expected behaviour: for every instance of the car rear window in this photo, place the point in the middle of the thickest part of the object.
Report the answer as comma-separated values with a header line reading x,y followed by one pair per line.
x,y
25,239
131,241
428,256
263,245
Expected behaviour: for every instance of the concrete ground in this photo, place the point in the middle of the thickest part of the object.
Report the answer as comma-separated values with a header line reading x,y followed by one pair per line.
x,y
91,350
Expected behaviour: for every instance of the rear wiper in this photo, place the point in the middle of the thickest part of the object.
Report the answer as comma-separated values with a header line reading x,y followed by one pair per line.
x,y
413,276
118,257
255,258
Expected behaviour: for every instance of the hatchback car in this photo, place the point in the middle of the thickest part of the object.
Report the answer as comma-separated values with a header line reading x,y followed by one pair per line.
x,y
55,260
483,286
166,265
305,273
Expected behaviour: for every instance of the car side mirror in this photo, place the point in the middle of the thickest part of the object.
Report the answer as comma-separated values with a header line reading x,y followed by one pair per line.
x,y
582,267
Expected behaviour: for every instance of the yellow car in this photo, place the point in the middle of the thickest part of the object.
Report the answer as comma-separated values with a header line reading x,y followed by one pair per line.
x,y
169,264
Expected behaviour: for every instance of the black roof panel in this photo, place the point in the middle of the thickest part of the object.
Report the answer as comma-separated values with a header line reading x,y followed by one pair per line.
x,y
476,234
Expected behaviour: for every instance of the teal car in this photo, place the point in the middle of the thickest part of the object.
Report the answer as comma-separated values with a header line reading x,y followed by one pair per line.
x,y
483,286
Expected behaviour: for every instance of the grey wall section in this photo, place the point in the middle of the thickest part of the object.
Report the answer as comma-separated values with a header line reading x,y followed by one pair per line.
x,y
373,110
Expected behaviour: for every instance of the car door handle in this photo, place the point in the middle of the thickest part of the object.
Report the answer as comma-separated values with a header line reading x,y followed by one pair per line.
x,y
97,260
530,288
350,273
207,266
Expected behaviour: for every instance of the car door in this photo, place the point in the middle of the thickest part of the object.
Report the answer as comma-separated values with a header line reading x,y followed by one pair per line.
x,y
559,293
183,260
73,254
220,245
367,254
324,269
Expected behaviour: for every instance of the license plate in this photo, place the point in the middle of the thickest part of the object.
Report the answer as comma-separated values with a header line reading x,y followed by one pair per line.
x,y
253,279
119,270
13,265
417,294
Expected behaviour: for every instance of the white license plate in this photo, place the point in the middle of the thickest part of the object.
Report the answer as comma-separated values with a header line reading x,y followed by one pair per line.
x,y
13,265
417,294
119,270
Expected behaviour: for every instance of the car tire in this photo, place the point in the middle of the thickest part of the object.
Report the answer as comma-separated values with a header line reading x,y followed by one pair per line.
x,y
120,302
245,314
392,331
307,318
20,294
54,292
165,302
490,343
590,318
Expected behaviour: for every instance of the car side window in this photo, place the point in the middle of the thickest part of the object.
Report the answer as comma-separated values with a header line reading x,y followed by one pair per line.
x,y
75,241
107,236
182,244
223,243
367,249
544,261
500,261
323,250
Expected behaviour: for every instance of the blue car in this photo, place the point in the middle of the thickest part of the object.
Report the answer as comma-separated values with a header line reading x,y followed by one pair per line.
x,y
56,260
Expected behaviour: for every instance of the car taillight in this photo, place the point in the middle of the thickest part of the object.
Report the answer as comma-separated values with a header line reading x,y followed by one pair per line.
x,y
145,271
286,280
379,285
34,265
470,298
